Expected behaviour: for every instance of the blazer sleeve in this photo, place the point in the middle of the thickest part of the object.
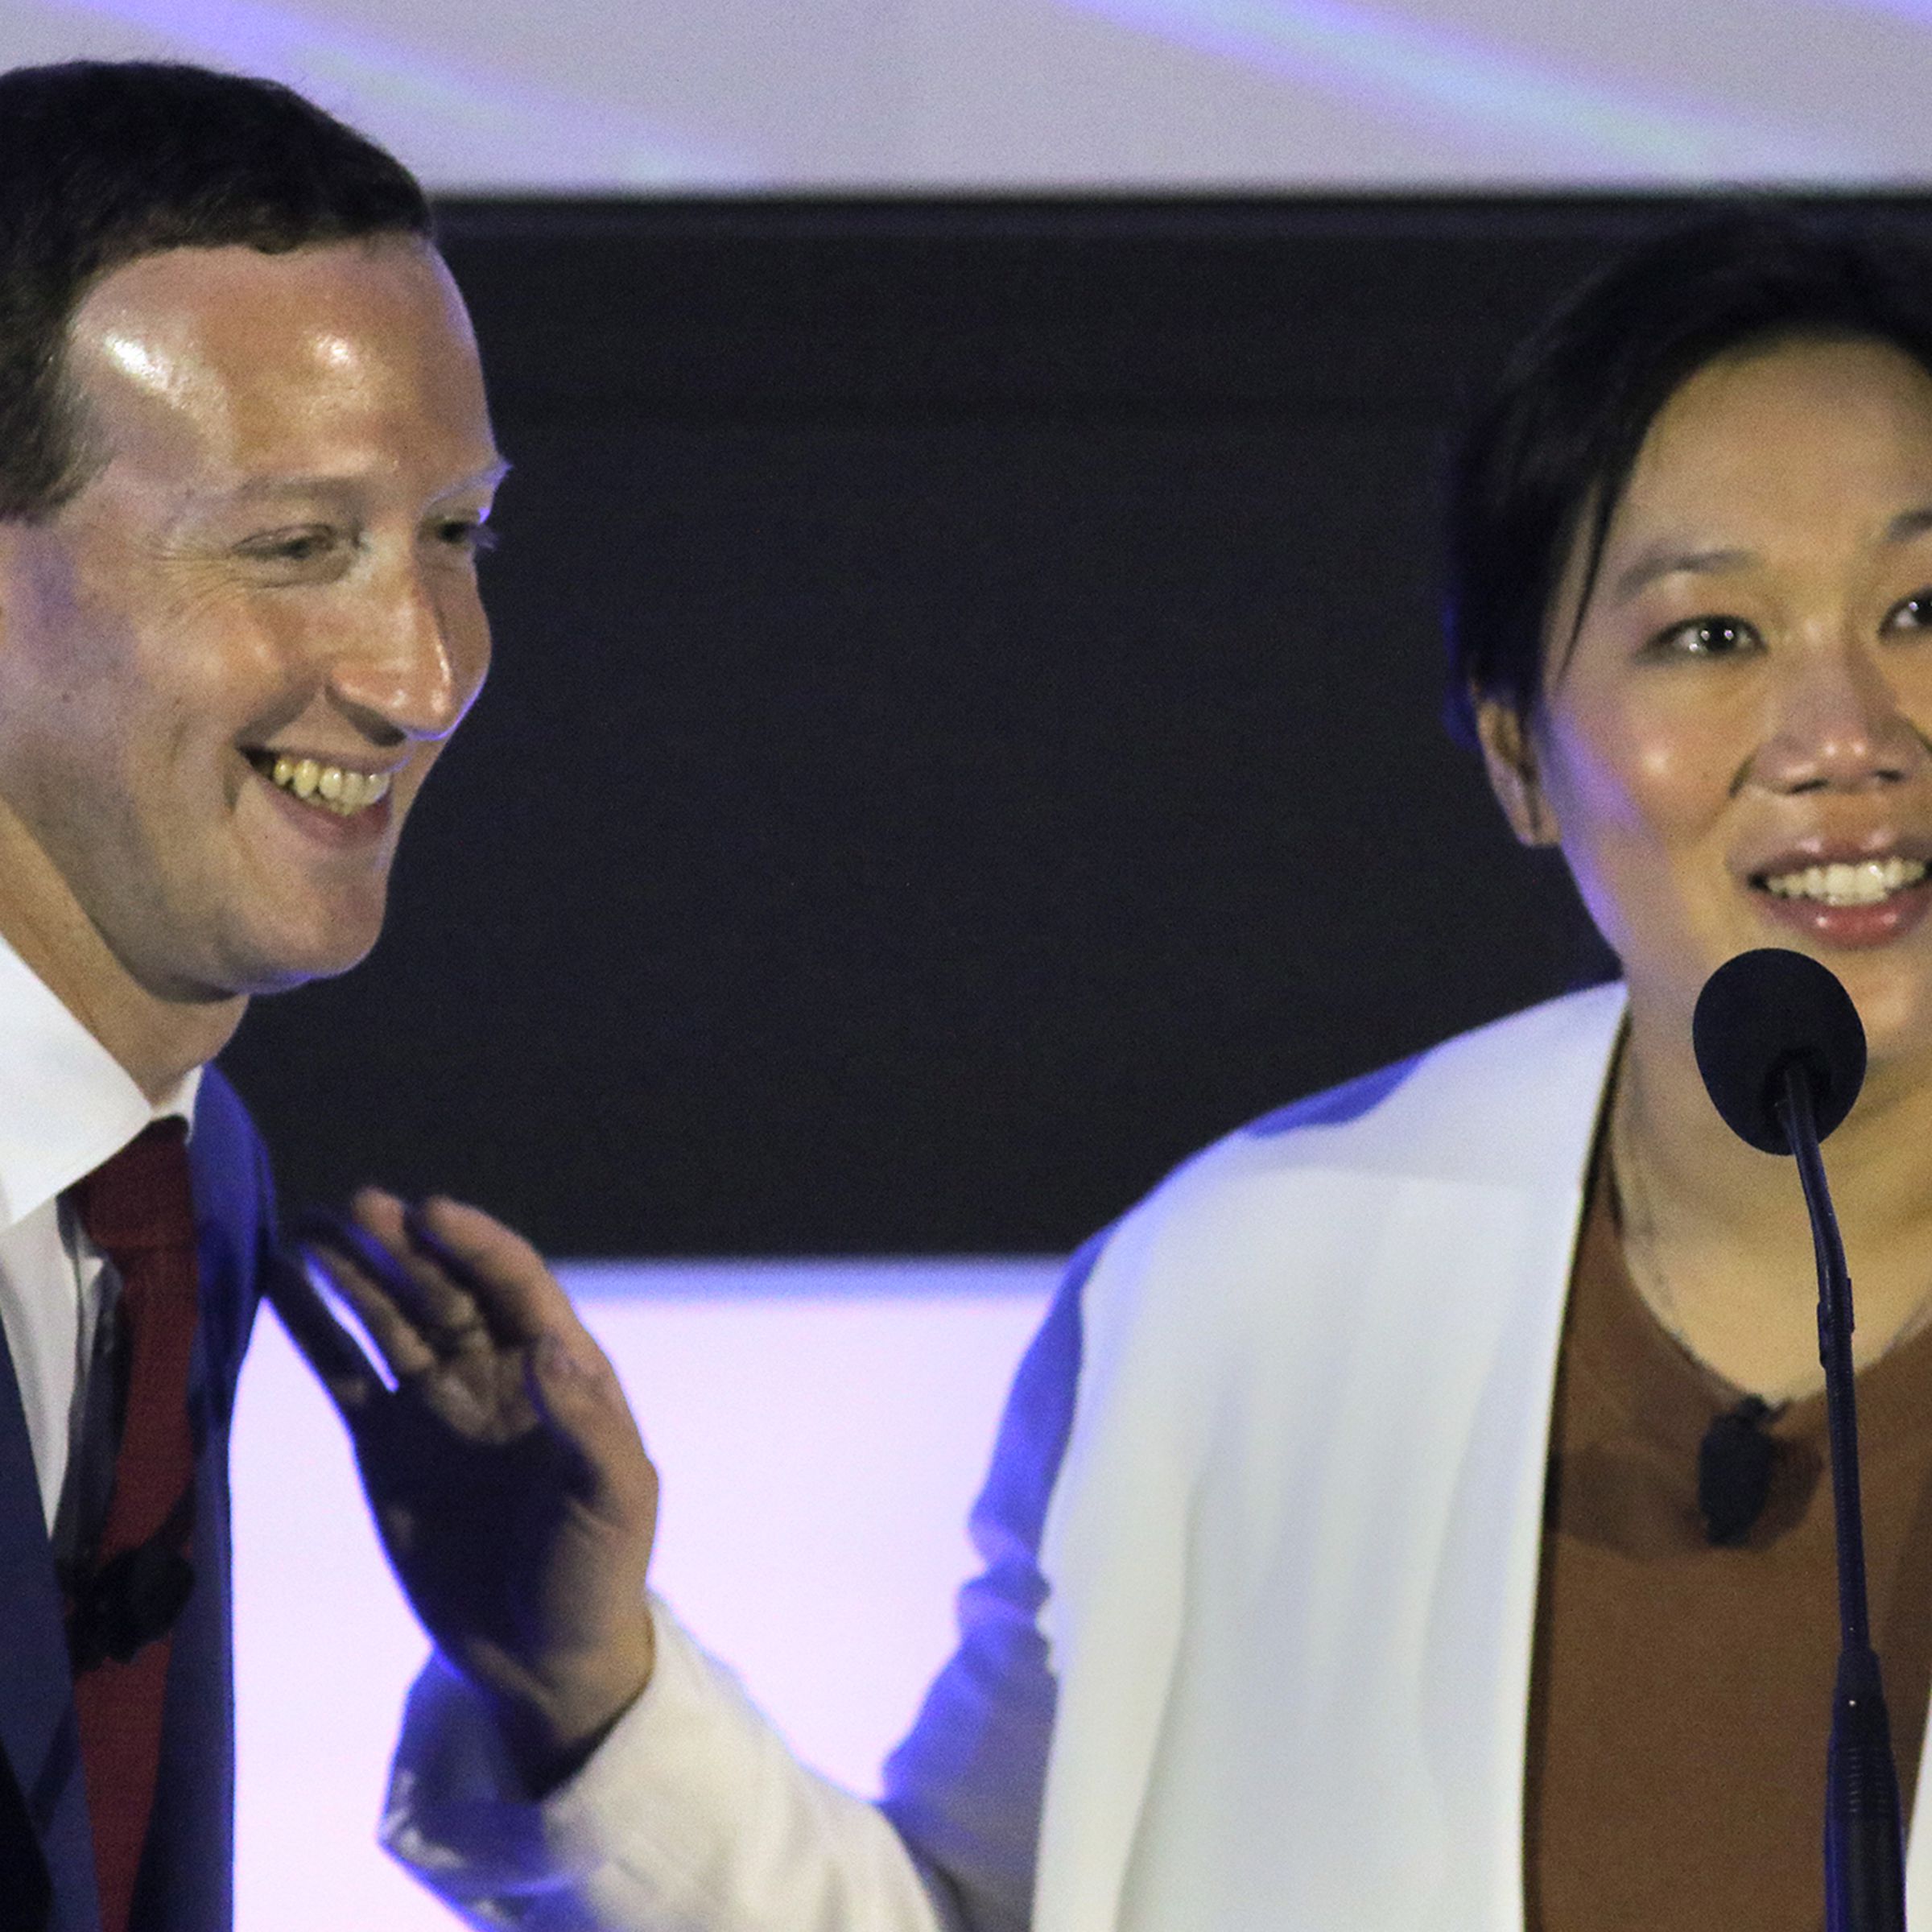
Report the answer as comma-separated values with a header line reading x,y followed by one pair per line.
x,y
693,1815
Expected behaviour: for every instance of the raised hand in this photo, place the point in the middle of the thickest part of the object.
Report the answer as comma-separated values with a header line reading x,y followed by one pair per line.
x,y
504,1469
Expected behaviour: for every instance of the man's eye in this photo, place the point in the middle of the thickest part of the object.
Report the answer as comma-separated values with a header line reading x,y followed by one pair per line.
x,y
1913,613
290,546
1707,637
469,534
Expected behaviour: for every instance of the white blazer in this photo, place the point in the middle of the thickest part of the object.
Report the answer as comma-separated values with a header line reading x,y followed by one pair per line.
x,y
1291,1553
1293,1549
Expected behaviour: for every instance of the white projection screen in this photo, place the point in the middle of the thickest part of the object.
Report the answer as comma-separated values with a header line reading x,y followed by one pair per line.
x,y
822,1430
696,95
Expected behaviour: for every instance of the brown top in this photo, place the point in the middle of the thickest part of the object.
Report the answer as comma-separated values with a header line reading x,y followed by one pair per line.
x,y
1680,1692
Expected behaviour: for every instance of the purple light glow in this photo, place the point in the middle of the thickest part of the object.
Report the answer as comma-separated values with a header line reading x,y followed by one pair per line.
x,y
394,89
1420,70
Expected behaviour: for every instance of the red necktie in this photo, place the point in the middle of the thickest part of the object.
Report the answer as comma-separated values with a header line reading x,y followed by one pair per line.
x,y
138,1210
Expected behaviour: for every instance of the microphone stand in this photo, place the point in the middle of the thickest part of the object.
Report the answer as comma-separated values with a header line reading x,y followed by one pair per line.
x,y
1864,1845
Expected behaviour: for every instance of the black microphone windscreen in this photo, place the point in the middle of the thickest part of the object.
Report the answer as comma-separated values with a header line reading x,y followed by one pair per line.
x,y
1757,1013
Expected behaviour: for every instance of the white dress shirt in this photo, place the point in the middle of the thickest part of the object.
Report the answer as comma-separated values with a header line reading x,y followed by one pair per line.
x,y
66,1105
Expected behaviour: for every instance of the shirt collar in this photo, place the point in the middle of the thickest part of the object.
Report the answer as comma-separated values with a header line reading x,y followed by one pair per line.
x,y
66,1102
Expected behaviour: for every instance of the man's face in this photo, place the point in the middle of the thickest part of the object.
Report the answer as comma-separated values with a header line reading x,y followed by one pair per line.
x,y
228,663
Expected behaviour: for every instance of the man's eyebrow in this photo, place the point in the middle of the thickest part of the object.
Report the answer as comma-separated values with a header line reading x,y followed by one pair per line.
x,y
1654,563
287,488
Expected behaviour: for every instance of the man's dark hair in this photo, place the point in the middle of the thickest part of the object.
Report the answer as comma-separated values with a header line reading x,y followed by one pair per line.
x,y
101,163
1547,458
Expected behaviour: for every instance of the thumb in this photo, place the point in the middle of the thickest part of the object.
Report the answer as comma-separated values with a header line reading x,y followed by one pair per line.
x,y
581,1403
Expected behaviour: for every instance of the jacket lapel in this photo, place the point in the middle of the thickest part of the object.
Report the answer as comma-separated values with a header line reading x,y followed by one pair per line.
x,y
43,1793
1446,1212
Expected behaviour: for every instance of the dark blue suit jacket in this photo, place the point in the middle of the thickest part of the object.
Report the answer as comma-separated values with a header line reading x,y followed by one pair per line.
x,y
187,1881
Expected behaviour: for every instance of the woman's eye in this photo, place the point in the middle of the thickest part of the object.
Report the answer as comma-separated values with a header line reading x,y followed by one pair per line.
x,y
1707,637
1913,613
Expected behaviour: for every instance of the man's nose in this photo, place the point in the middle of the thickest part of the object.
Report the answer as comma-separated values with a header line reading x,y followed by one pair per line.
x,y
416,657
1838,724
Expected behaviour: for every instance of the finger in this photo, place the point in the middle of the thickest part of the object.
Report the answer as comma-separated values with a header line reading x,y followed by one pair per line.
x,y
351,1380
437,1296
505,1278
568,1378
343,1261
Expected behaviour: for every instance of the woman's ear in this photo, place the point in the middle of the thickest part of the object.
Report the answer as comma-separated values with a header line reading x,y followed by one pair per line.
x,y
1510,756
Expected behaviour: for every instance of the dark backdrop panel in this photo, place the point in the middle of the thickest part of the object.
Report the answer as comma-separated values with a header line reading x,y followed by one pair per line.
x,y
964,724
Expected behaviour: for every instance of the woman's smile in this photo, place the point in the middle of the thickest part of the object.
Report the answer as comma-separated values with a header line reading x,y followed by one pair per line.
x,y
1846,897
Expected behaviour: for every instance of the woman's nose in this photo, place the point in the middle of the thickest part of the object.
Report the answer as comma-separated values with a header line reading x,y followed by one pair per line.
x,y
1838,724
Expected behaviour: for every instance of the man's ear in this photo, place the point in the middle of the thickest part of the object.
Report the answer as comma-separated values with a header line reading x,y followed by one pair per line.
x,y
13,531
1509,757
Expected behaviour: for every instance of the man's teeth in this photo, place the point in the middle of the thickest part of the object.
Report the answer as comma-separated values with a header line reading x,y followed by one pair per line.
x,y
1862,884
331,785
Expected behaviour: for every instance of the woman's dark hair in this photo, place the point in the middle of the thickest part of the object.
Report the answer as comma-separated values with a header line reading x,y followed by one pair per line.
x,y
101,163
1546,459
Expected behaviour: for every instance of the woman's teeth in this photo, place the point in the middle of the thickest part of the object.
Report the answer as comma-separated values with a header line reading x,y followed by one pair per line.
x,y
1862,884
330,786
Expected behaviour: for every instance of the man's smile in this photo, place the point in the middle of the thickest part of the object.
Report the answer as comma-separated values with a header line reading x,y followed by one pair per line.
x,y
341,789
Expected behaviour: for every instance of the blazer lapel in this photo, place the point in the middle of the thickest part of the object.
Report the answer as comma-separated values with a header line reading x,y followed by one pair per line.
x,y
43,1793
1430,1229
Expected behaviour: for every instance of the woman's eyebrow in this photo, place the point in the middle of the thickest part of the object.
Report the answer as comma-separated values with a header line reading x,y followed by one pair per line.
x,y
1909,524
1644,570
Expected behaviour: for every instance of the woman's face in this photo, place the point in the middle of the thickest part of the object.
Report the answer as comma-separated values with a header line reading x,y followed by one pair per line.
x,y
1733,750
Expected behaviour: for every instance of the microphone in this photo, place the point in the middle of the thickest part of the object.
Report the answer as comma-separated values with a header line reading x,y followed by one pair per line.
x,y
1782,1055
1734,1463
1762,1012
131,1601
116,1609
